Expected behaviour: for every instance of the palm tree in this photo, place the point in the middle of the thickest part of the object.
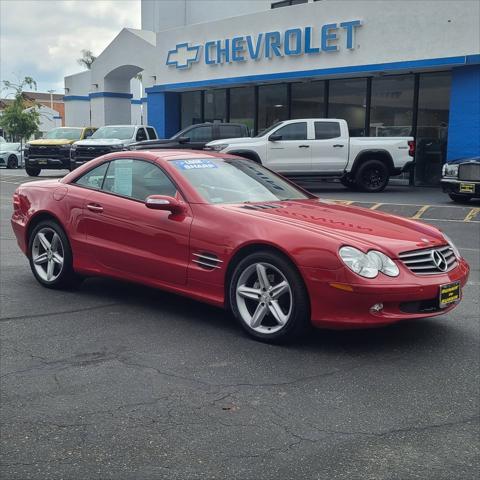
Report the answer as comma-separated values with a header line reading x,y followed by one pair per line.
x,y
87,59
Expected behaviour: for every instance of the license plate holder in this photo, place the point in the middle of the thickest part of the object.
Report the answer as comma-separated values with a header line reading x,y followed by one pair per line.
x,y
467,188
449,293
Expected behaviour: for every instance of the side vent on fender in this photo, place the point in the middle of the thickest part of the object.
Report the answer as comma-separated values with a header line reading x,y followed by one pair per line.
x,y
207,261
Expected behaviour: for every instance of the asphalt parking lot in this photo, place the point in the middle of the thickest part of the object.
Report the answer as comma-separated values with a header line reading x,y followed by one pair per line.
x,y
118,381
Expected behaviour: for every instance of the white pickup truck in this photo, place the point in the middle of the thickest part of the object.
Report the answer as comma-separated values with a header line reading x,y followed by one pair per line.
x,y
323,148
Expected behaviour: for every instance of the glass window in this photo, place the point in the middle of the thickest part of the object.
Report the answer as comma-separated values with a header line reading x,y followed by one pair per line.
x,y
272,105
391,111
120,133
235,181
326,130
229,131
191,108
93,178
200,134
141,135
293,131
215,109
347,100
308,100
65,133
151,133
137,179
432,126
242,106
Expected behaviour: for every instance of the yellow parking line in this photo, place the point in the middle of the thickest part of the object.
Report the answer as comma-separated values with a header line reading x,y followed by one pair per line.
x,y
421,211
471,214
374,207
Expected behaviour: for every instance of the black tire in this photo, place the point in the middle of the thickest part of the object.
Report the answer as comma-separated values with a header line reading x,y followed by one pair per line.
x,y
349,182
298,322
459,198
66,276
12,162
372,176
33,171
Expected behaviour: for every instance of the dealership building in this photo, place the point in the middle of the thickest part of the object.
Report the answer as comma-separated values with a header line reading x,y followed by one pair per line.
x,y
390,68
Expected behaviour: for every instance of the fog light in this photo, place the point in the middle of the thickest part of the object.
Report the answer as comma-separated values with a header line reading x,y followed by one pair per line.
x,y
378,307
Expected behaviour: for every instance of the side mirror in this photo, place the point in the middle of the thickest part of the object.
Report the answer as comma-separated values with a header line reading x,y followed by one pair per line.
x,y
274,137
183,139
163,202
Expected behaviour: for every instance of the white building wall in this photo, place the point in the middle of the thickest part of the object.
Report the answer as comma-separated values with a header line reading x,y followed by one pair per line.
x,y
158,15
136,114
77,111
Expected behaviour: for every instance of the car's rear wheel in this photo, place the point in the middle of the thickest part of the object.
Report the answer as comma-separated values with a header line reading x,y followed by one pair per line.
x,y
33,171
12,162
372,176
457,197
50,256
269,298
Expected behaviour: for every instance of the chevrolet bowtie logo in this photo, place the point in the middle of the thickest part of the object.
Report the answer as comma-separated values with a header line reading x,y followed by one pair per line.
x,y
183,55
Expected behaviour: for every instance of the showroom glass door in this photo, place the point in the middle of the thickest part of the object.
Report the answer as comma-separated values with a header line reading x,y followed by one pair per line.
x,y
432,127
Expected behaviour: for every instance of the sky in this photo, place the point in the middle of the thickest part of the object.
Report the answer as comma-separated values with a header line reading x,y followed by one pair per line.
x,y
43,38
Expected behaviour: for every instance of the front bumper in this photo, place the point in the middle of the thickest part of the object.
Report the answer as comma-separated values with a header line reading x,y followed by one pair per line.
x,y
48,163
410,296
452,185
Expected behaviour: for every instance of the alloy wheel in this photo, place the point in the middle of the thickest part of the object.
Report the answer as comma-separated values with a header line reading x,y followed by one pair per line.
x,y
264,298
48,254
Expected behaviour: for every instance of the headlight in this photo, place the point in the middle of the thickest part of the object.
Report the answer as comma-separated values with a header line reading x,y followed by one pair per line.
x,y
450,170
456,251
27,146
66,147
74,147
117,147
218,148
368,264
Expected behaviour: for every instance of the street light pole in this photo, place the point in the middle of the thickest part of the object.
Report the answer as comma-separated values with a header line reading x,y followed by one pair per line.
x,y
51,98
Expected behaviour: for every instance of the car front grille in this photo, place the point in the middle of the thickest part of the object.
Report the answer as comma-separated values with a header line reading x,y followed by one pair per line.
x,y
44,152
90,152
429,261
469,171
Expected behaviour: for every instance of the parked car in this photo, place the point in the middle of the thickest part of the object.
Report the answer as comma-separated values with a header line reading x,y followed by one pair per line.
x,y
110,138
11,155
196,136
226,231
53,151
461,179
323,148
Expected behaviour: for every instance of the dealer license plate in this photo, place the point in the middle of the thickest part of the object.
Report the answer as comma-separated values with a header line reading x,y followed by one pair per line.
x,y
449,293
42,161
467,188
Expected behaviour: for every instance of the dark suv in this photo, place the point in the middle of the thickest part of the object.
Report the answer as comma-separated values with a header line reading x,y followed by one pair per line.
x,y
196,136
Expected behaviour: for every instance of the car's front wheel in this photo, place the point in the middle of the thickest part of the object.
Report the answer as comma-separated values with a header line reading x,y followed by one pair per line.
x,y
50,256
33,171
457,197
12,162
269,298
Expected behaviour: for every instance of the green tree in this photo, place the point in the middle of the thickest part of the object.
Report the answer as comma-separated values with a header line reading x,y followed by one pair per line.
x,y
87,59
17,119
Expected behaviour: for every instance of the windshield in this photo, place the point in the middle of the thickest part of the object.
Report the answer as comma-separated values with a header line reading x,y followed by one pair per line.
x,y
235,181
269,129
4,146
122,133
64,133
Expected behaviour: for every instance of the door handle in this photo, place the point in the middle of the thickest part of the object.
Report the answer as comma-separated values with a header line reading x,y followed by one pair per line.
x,y
338,145
95,207
304,146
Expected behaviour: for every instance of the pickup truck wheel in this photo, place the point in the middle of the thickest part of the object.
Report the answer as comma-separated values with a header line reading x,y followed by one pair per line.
x,y
460,198
349,182
33,171
372,176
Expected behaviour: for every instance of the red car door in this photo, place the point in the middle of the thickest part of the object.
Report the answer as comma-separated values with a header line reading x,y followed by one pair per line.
x,y
125,237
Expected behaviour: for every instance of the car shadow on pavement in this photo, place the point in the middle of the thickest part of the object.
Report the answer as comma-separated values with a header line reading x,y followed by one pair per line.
x,y
405,335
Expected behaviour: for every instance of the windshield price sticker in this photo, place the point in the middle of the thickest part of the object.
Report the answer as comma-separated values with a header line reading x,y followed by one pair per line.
x,y
199,164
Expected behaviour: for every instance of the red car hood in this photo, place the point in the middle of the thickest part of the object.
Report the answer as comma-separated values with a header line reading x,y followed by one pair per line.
x,y
355,226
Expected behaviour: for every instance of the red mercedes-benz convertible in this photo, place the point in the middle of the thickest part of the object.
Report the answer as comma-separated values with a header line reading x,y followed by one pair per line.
x,y
226,231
